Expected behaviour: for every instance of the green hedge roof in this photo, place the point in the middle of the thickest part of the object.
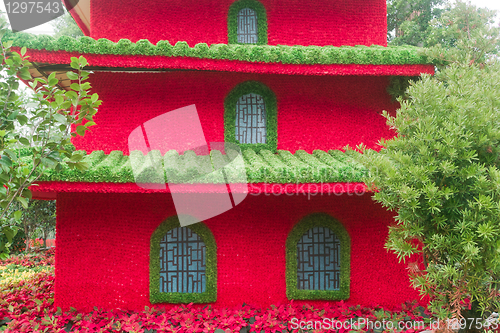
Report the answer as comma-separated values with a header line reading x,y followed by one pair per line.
x,y
261,167
375,54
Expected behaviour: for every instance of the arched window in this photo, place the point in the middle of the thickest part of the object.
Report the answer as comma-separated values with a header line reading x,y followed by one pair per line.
x,y
247,26
251,119
318,259
250,116
182,264
247,23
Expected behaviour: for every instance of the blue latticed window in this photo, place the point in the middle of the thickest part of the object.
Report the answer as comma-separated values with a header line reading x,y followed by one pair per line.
x,y
318,255
318,260
247,26
247,23
251,119
182,262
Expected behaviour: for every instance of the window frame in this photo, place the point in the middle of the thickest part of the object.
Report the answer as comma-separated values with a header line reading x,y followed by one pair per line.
x,y
230,103
232,21
308,222
210,293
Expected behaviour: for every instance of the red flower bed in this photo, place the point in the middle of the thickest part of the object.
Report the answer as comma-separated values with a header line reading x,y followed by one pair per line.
x,y
39,242
45,258
28,307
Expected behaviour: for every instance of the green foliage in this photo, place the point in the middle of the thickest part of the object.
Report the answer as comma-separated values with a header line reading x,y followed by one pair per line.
x,y
463,34
408,20
14,275
41,123
18,242
65,25
308,222
232,20
441,175
210,293
377,55
230,102
39,219
398,86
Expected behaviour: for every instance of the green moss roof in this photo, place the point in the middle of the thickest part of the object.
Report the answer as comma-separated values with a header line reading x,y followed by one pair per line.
x,y
261,167
375,54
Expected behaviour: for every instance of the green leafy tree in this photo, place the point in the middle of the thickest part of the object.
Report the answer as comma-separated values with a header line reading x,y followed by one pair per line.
x,y
12,239
408,20
463,34
38,219
441,173
52,114
46,211
65,25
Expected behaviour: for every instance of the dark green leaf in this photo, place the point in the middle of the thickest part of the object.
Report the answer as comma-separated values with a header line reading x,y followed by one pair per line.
x,y
24,141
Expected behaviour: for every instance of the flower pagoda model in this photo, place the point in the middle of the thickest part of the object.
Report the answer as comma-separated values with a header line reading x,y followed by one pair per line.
x,y
291,82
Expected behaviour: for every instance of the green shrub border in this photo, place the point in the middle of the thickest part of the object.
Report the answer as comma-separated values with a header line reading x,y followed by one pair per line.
x,y
373,55
308,222
271,115
232,21
210,294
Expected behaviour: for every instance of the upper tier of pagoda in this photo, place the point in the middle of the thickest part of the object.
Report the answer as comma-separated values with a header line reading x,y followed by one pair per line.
x,y
344,37
279,22
326,63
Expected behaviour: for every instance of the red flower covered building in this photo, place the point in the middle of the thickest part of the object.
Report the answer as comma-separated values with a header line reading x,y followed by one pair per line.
x,y
292,83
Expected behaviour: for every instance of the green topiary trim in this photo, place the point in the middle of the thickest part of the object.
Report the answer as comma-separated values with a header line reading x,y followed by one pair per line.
x,y
232,21
210,294
310,55
271,116
308,222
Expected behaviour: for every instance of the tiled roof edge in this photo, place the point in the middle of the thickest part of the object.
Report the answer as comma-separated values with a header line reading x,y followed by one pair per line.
x,y
189,168
370,55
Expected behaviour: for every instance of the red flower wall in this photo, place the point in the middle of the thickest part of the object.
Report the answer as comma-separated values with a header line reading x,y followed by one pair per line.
x,y
112,270
314,112
342,22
